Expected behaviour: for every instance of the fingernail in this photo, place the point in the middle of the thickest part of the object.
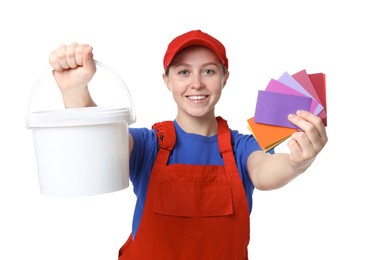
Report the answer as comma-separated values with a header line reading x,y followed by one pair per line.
x,y
291,116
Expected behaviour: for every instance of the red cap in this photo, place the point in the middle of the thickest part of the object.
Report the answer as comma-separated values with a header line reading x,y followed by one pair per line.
x,y
193,38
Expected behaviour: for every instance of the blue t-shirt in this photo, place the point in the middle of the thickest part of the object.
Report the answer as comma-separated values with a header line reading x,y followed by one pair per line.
x,y
189,149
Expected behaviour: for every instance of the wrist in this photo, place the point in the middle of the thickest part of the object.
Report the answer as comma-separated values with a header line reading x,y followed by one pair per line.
x,y
78,97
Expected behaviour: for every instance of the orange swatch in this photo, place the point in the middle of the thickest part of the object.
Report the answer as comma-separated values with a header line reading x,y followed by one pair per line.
x,y
269,136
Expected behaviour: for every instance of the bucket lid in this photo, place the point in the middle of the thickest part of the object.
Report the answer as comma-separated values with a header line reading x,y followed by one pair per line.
x,y
78,117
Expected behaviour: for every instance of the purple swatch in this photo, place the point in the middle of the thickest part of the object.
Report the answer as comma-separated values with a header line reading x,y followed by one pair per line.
x,y
273,108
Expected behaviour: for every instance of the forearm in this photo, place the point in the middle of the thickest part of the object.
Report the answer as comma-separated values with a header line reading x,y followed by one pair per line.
x,y
79,97
273,172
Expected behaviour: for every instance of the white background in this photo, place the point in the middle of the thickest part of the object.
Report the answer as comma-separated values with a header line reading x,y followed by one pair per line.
x,y
324,214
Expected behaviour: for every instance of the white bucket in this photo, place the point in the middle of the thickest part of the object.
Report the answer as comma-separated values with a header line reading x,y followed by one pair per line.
x,y
82,151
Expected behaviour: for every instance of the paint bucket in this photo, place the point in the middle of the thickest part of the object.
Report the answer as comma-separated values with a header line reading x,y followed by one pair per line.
x,y
82,151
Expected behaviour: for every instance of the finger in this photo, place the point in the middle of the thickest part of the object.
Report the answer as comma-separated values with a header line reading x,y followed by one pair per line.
x,y
305,147
79,52
71,58
87,57
295,150
315,120
55,59
300,156
316,123
313,127
60,54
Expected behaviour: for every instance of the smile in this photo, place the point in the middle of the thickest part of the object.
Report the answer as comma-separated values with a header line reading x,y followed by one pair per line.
x,y
200,97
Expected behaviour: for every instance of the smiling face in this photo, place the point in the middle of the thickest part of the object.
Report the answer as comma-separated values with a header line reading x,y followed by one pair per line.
x,y
196,78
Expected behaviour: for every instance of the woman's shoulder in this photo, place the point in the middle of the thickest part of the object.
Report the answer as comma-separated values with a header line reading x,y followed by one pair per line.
x,y
244,142
143,135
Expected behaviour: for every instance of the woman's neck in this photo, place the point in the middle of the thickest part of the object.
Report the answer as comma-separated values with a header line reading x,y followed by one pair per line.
x,y
206,126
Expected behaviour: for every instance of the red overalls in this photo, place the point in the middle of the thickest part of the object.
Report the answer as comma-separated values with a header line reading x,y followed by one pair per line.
x,y
192,211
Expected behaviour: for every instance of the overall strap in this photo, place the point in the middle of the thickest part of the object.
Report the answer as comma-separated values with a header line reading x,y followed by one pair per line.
x,y
225,145
166,139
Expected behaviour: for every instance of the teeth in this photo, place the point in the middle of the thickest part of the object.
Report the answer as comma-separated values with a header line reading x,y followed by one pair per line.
x,y
196,97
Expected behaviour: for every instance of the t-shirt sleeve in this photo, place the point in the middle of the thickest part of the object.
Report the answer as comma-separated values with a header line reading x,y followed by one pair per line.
x,y
143,153
244,145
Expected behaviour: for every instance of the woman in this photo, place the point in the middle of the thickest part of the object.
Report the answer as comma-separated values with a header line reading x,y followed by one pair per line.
x,y
193,176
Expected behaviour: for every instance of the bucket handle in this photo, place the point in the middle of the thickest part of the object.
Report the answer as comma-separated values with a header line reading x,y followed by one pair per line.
x,y
100,64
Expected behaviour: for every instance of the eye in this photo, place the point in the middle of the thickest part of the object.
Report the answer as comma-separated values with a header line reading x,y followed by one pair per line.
x,y
209,71
183,72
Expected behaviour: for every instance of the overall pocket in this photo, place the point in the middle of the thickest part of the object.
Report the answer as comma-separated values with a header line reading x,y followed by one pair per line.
x,y
194,199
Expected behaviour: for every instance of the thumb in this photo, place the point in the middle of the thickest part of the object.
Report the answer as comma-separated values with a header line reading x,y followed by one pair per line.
x,y
87,58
